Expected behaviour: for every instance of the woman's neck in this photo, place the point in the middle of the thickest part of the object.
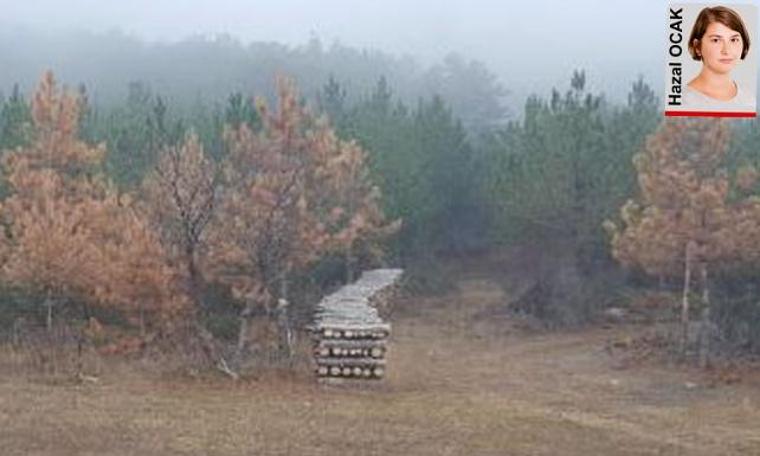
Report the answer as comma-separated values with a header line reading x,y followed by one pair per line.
x,y
715,85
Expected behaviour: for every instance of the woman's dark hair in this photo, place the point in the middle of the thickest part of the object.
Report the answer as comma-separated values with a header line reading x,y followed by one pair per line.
x,y
725,16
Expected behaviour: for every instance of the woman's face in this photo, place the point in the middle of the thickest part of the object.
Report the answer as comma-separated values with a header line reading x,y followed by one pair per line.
x,y
721,48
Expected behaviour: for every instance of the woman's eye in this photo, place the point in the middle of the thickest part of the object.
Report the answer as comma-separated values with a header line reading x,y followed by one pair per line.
x,y
714,40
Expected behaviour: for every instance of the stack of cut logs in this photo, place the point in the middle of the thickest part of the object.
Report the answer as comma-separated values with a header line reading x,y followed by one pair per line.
x,y
350,337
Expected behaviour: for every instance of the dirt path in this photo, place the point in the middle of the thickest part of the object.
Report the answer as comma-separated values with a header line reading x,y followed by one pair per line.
x,y
571,384
459,384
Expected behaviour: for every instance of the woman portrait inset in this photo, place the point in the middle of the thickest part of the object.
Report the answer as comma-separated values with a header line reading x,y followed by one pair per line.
x,y
720,41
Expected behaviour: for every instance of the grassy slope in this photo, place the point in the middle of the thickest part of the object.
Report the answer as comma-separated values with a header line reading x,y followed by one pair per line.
x,y
458,385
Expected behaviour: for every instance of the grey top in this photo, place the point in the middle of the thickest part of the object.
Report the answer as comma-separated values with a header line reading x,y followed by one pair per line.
x,y
742,101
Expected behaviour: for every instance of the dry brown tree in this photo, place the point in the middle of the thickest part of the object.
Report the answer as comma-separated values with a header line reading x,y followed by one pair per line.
x,y
136,275
349,203
180,196
292,192
683,220
68,233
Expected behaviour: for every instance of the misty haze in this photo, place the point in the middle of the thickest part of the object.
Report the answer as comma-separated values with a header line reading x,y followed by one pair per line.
x,y
369,228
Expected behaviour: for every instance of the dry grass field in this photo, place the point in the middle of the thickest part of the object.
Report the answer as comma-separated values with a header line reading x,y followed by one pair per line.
x,y
458,384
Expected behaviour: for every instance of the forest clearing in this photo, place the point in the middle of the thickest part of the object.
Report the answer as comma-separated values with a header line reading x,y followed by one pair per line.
x,y
223,245
460,382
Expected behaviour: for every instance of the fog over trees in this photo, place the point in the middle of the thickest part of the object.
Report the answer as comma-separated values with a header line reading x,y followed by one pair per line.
x,y
462,161
529,46
205,209
197,71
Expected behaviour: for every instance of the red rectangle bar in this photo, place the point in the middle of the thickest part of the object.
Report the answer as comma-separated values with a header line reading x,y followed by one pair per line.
x,y
708,114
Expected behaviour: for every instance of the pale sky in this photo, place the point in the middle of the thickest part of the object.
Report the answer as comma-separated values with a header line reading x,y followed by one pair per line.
x,y
435,26
525,40
496,29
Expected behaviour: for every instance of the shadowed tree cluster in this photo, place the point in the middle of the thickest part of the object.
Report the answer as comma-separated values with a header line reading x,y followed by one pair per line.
x,y
685,222
288,192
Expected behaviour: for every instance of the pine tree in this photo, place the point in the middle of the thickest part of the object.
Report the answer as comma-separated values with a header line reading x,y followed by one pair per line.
x,y
15,121
332,101
180,196
684,220
68,233
241,110
282,207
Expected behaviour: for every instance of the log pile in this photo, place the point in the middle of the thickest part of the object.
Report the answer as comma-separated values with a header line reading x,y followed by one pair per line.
x,y
350,337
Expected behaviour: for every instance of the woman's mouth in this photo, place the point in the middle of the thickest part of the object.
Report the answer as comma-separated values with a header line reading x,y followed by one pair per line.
x,y
726,61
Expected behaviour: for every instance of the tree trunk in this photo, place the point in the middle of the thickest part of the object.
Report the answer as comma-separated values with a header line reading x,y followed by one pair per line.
x,y
242,334
283,328
210,350
80,362
142,321
685,299
349,260
243,331
705,327
284,287
281,317
245,316
49,319
85,312
194,282
81,338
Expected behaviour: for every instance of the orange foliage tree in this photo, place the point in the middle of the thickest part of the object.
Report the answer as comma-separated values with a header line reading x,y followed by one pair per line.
x,y
180,196
136,276
293,192
68,233
348,201
685,216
